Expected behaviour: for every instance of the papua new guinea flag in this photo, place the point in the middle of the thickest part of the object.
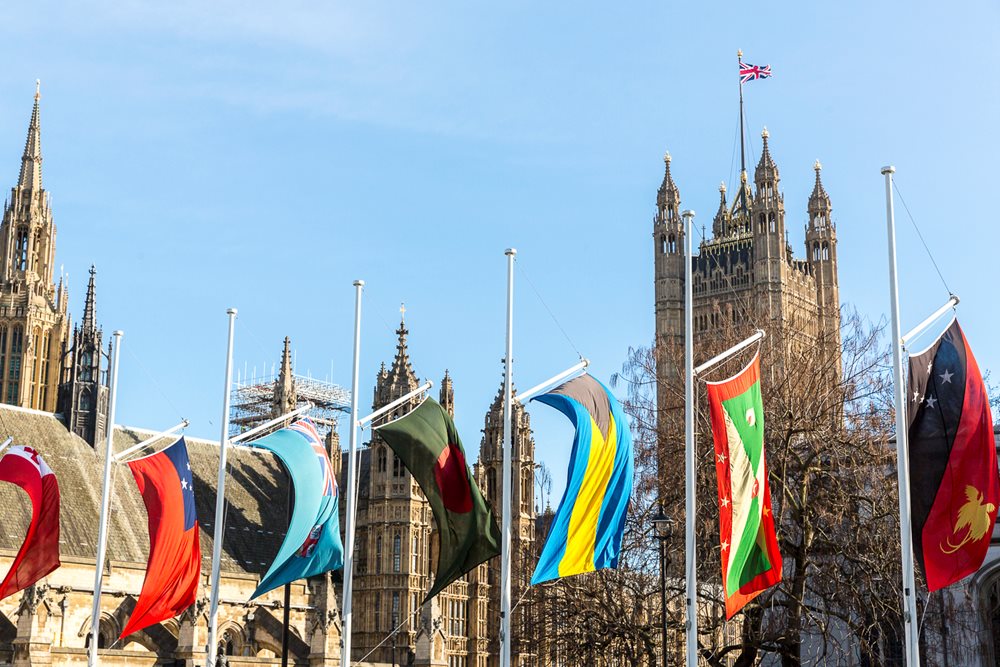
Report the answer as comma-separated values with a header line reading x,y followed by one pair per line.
x,y
39,553
174,568
751,562
586,531
427,443
954,487
312,544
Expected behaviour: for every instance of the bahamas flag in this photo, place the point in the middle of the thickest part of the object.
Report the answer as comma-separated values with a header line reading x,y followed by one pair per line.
x,y
586,532
751,561
312,544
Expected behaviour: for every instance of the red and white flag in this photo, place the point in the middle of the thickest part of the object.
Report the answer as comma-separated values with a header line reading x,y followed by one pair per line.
x,y
39,555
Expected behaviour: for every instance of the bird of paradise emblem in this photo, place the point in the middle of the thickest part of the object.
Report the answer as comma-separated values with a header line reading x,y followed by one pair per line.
x,y
973,518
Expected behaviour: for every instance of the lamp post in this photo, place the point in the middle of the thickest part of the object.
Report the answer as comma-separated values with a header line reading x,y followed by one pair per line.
x,y
664,527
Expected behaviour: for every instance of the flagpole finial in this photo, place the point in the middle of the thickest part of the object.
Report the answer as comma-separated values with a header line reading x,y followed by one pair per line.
x,y
666,157
888,170
38,89
818,165
764,133
739,53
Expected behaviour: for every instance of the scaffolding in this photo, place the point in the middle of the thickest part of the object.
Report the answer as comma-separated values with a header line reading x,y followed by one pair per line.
x,y
252,402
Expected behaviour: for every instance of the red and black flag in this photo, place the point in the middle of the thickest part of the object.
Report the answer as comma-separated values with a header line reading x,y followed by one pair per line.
x,y
954,486
174,568
427,443
39,554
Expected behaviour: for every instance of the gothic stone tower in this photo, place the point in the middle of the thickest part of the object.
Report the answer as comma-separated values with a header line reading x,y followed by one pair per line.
x,y
33,320
489,473
83,391
396,548
745,276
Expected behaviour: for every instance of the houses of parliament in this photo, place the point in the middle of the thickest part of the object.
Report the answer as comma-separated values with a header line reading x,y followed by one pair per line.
x,y
54,396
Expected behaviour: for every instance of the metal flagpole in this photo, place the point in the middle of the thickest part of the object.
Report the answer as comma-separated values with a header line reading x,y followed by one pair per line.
x,y
352,483
220,504
507,390
690,486
911,634
102,531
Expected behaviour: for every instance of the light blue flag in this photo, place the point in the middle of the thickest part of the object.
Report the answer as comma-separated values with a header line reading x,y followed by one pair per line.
x,y
312,544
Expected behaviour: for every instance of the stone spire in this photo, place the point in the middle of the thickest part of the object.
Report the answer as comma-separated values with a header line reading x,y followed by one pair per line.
x,y
31,162
767,170
819,201
720,225
447,394
668,198
284,385
89,323
743,200
402,370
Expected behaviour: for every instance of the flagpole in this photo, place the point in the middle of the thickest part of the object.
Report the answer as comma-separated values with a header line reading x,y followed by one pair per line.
x,y
743,161
690,458
352,483
911,634
102,531
220,503
507,392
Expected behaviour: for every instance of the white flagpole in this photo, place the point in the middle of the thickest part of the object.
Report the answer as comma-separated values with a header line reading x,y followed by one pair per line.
x,y
352,483
102,531
911,634
690,458
220,504
507,391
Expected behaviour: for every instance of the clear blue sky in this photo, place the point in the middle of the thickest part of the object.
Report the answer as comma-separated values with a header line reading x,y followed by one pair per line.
x,y
264,155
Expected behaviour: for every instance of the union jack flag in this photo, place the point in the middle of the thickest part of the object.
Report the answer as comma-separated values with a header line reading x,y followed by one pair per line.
x,y
309,432
750,72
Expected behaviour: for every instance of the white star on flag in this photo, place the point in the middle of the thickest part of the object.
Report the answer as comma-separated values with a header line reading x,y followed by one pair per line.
x,y
724,502
722,458
725,546
184,484
946,377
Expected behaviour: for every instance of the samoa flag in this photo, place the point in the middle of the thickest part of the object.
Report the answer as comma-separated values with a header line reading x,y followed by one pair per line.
x,y
39,554
312,544
174,568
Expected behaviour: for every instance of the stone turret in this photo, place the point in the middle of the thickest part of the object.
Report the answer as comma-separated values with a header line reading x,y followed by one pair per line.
x,y
284,385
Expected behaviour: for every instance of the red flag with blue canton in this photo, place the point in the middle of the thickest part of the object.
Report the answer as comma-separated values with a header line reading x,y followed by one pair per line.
x,y
39,553
750,72
174,568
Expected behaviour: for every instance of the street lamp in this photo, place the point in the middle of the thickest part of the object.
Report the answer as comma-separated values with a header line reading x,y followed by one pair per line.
x,y
664,527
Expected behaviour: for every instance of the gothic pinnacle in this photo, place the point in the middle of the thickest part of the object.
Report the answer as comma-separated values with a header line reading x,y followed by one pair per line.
x,y
30,177
89,317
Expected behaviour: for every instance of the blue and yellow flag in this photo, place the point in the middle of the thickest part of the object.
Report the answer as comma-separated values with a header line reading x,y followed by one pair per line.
x,y
312,544
586,532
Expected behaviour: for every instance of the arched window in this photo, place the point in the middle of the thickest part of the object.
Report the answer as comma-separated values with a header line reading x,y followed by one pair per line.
x,y
663,245
21,251
415,555
397,467
381,459
395,609
378,555
396,555
491,484
672,244
14,365
86,401
378,611
826,251
772,222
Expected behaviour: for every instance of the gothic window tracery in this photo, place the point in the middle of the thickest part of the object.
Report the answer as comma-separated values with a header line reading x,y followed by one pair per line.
x,y
14,364
396,553
21,250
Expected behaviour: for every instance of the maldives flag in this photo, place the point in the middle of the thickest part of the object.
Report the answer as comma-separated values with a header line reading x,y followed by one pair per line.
x,y
39,554
954,487
174,566
427,443
751,562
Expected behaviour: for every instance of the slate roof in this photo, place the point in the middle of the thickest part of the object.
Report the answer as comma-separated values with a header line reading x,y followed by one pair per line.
x,y
256,490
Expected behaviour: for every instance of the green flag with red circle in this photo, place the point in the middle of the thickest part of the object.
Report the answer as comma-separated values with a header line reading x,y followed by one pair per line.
x,y
427,443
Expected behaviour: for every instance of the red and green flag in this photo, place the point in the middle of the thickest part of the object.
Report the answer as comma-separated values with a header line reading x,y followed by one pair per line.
x,y
751,562
427,443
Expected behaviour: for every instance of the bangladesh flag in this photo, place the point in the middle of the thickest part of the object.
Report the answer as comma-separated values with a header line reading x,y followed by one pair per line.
x,y
427,443
751,561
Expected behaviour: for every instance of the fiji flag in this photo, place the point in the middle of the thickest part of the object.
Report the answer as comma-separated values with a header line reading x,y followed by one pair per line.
x,y
312,544
174,566
586,532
